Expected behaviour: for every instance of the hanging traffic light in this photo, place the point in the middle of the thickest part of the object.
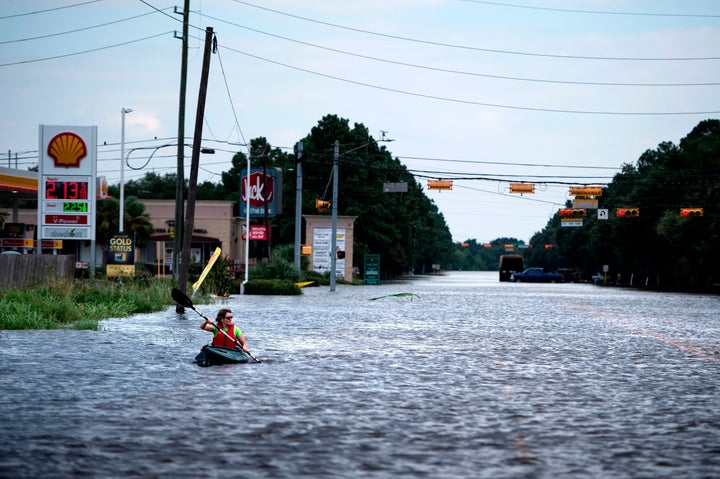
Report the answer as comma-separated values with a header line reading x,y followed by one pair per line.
x,y
322,205
522,188
585,191
690,212
627,212
572,212
440,185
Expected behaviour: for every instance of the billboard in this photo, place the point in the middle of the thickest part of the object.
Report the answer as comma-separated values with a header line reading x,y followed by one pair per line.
x,y
263,188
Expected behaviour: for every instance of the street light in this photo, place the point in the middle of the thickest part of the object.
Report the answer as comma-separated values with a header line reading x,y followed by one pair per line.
x,y
333,227
122,168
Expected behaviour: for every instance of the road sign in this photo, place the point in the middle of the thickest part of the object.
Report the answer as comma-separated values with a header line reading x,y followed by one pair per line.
x,y
603,214
571,222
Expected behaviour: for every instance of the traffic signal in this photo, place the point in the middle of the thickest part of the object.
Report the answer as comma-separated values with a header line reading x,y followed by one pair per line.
x,y
627,212
522,188
585,191
572,212
690,212
340,254
322,205
440,185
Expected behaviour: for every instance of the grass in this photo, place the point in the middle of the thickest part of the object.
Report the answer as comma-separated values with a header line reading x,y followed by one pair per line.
x,y
80,304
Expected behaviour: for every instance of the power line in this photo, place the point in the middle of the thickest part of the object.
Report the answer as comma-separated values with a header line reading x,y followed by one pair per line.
x,y
232,105
505,163
466,47
594,12
460,72
478,103
76,30
22,62
48,10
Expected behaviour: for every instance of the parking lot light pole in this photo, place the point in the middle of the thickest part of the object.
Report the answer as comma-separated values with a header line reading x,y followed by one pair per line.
x,y
121,223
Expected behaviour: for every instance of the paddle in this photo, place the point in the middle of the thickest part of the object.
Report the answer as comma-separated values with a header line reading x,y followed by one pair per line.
x,y
181,298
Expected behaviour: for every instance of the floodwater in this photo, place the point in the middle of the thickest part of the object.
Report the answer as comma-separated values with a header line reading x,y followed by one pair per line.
x,y
470,378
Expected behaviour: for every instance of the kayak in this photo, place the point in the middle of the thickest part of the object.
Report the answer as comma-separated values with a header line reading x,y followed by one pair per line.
x,y
216,355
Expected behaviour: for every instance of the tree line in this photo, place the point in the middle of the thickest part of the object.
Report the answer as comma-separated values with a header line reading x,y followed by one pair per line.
x,y
658,248
407,228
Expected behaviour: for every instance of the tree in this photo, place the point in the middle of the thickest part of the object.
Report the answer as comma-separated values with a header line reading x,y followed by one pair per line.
x,y
108,219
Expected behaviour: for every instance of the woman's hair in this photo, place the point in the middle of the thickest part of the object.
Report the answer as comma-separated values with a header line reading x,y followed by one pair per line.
x,y
221,314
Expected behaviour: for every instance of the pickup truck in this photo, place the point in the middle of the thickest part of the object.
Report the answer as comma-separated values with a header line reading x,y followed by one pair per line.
x,y
537,275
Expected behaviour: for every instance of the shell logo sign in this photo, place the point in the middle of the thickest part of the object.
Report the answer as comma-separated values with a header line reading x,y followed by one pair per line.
x,y
67,149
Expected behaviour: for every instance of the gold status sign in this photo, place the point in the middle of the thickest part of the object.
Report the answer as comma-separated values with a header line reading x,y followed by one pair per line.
x,y
120,259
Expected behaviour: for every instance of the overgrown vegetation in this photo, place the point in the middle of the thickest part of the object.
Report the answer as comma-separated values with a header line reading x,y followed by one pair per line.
x,y
272,287
80,304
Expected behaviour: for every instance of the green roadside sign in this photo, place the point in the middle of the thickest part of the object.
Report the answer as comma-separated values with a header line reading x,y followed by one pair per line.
x,y
371,273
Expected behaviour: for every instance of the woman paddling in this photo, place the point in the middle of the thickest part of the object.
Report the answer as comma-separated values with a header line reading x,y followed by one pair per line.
x,y
226,333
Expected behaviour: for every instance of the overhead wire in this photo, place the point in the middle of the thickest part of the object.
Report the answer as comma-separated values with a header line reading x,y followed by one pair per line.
x,y
67,32
48,10
593,12
478,103
461,72
91,50
467,47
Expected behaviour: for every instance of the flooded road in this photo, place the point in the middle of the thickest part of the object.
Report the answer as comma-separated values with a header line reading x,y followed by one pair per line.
x,y
470,378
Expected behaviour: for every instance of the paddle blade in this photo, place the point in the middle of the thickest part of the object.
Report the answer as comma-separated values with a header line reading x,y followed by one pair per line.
x,y
180,298
205,272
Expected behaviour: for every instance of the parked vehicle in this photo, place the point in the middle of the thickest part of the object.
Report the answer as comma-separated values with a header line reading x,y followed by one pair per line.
x,y
570,275
537,275
509,264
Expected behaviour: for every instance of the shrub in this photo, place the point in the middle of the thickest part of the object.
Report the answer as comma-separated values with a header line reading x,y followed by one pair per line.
x,y
278,268
279,287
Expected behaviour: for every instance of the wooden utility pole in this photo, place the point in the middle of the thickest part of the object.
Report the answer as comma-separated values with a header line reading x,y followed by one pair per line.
x,y
184,268
180,186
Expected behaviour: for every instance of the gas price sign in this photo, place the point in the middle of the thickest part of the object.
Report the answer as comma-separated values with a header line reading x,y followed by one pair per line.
x,y
67,182
66,190
66,206
75,207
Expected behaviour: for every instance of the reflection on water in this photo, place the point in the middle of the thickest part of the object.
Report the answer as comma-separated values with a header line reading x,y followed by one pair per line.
x,y
472,378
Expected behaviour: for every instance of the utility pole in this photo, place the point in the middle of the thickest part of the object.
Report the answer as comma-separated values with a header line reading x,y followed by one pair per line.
x,y
333,239
298,202
180,186
194,165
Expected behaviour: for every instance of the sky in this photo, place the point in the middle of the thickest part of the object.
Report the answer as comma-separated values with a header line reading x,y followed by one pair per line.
x,y
551,92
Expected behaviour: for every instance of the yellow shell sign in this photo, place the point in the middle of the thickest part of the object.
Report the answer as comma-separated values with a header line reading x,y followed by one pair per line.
x,y
67,149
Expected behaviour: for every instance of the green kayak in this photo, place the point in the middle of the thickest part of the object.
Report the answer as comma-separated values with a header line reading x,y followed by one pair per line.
x,y
216,355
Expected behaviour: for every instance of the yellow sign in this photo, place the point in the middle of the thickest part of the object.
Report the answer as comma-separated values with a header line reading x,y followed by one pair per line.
x,y
114,270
